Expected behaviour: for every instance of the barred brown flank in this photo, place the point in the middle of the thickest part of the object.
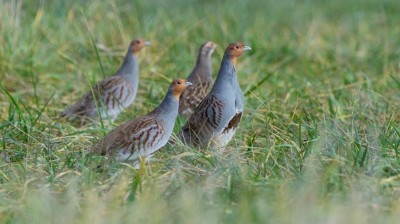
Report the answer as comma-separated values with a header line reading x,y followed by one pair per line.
x,y
112,101
107,103
121,91
148,135
105,93
233,123
155,137
140,136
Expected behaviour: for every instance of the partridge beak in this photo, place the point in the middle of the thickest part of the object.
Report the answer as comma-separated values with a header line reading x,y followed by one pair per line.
x,y
189,83
246,48
146,43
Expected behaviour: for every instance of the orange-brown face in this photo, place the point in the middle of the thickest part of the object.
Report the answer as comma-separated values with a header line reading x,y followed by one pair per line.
x,y
234,50
178,86
138,44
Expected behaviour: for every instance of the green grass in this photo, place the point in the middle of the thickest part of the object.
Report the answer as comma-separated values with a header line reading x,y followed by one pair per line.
x,y
319,141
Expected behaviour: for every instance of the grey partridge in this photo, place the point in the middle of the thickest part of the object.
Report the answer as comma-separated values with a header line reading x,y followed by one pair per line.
x,y
201,79
216,118
110,96
141,137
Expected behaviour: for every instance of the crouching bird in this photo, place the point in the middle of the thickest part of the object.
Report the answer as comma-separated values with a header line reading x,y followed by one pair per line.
x,y
141,137
215,120
110,96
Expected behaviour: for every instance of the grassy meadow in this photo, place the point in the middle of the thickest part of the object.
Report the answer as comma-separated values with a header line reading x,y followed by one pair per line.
x,y
319,141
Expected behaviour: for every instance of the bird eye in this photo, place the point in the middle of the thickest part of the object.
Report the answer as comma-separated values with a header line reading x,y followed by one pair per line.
x,y
179,82
136,42
237,47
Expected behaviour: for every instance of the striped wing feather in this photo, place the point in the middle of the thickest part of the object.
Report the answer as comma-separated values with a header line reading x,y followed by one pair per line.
x,y
192,97
205,121
109,93
138,136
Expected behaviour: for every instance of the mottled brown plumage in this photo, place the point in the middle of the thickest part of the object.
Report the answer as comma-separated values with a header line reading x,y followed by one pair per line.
x,y
143,136
215,120
110,96
201,79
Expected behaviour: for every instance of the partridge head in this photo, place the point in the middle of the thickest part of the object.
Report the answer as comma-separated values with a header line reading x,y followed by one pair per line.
x,y
137,45
207,48
178,86
235,50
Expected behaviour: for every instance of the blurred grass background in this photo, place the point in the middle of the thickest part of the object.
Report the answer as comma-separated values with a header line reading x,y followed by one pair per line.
x,y
319,142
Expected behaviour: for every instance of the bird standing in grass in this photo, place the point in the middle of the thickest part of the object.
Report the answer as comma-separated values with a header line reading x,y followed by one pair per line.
x,y
141,137
110,96
201,79
216,118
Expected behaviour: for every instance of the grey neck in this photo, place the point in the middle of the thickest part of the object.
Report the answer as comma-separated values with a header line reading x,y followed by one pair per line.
x,y
130,67
227,77
202,70
168,107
